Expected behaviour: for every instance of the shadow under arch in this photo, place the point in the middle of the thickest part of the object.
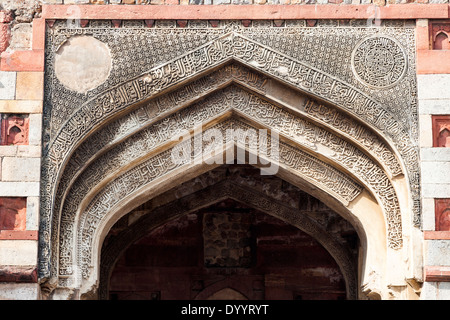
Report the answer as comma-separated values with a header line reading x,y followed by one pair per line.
x,y
227,189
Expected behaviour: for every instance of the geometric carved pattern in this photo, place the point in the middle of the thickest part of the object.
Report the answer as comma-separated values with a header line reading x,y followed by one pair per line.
x,y
133,180
142,117
162,164
74,122
138,119
379,61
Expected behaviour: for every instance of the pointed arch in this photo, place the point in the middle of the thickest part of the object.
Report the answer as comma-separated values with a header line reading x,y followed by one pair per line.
x,y
344,166
227,189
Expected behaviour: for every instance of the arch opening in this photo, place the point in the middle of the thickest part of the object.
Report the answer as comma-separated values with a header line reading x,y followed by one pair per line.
x,y
229,243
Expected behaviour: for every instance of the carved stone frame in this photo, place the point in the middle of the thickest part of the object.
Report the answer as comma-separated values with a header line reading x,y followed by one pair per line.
x,y
382,248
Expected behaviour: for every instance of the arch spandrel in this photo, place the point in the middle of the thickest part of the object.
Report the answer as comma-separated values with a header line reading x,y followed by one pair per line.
x,y
64,163
228,47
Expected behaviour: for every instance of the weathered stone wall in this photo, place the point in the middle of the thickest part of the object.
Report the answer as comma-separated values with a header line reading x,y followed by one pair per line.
x,y
227,239
434,101
21,95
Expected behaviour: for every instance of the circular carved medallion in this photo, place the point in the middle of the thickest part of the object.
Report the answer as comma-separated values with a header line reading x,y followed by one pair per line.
x,y
82,63
379,61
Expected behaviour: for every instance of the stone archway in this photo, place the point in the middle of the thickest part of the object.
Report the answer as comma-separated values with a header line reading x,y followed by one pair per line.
x,y
337,142
214,186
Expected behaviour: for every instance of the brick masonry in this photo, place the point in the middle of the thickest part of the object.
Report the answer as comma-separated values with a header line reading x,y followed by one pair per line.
x,y
227,239
434,100
21,99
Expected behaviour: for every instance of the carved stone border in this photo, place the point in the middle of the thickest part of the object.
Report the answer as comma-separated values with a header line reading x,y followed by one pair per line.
x,y
255,108
308,79
312,169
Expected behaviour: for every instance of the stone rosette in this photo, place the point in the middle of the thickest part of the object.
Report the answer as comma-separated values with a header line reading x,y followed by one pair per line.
x,y
379,62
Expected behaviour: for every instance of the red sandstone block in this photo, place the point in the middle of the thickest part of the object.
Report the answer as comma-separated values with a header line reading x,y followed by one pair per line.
x,y
436,235
422,38
440,34
441,139
18,235
38,40
13,213
442,206
4,36
14,131
433,61
18,274
437,273
32,60
241,12
5,16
